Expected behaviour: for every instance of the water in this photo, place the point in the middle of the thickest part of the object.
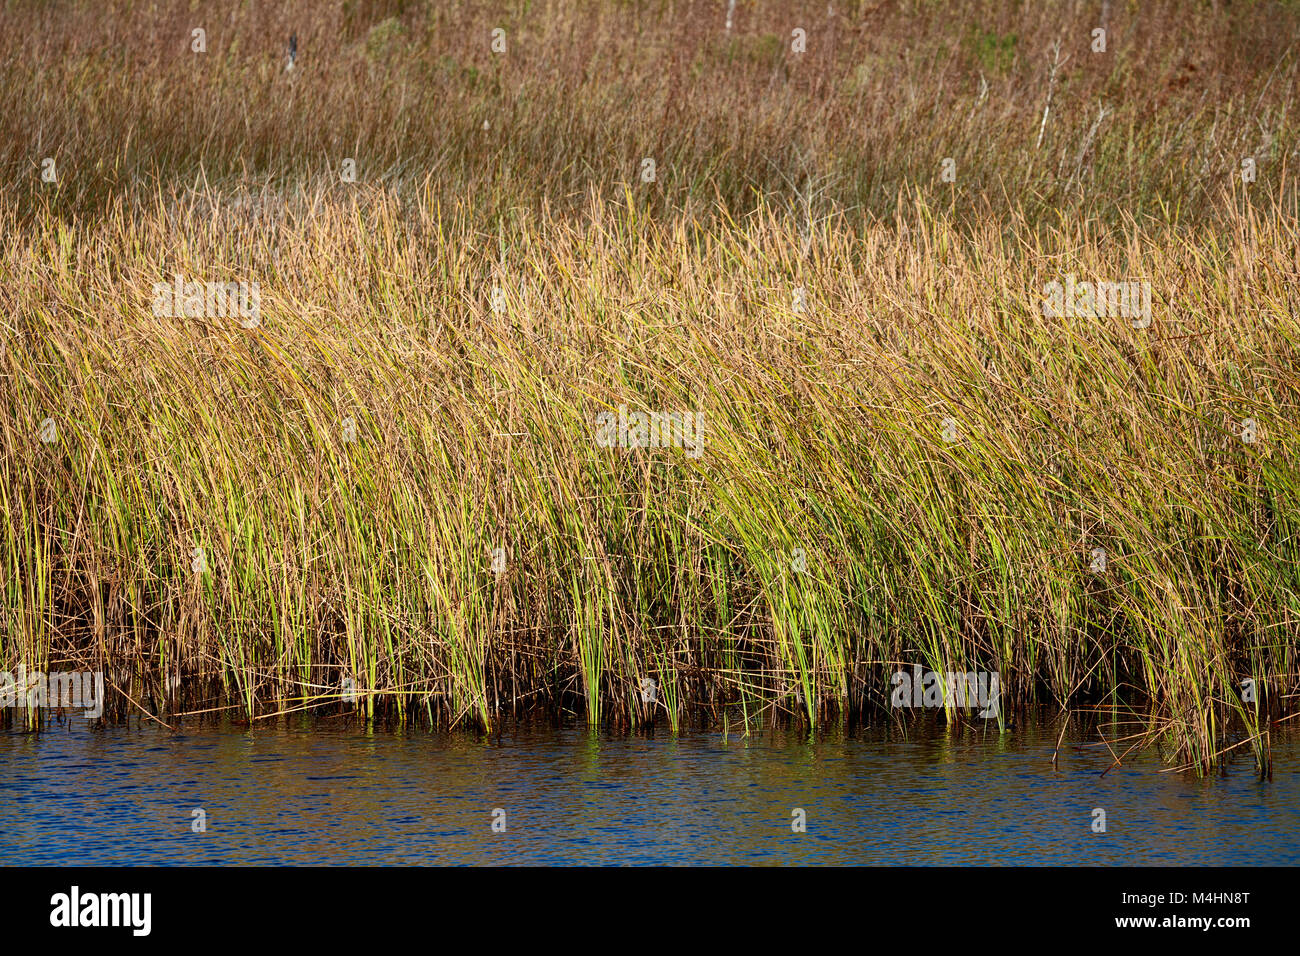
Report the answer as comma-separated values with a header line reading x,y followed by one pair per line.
x,y
332,793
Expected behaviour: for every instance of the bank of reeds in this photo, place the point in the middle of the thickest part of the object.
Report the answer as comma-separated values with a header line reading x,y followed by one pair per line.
x,y
912,464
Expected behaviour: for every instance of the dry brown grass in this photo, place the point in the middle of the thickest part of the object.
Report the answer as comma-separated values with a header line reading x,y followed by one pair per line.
x,y
330,560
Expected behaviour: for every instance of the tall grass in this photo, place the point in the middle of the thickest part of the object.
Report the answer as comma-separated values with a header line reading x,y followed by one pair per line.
x,y
827,534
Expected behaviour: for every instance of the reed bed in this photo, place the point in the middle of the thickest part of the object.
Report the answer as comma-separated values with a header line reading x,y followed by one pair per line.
x,y
389,492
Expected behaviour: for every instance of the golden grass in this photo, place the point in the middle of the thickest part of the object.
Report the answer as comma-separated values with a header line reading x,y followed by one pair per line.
x,y
370,560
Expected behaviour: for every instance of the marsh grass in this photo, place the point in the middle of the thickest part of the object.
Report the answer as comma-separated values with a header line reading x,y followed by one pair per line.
x,y
332,559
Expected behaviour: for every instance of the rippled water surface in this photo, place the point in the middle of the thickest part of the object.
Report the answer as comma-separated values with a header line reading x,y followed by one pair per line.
x,y
326,793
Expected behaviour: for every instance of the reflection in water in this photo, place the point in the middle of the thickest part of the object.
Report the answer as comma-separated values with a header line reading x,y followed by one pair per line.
x,y
335,794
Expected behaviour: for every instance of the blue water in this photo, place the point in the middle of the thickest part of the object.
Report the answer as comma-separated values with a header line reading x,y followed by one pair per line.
x,y
332,793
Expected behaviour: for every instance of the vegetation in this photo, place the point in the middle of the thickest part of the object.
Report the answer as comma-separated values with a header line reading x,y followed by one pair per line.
x,y
904,459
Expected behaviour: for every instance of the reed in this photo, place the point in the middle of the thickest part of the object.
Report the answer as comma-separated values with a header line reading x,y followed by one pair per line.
x,y
394,478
